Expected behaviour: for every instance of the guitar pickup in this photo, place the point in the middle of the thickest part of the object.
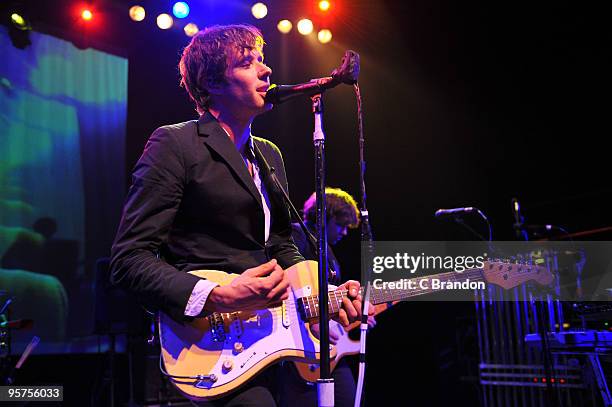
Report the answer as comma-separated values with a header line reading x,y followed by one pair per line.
x,y
217,327
236,325
285,315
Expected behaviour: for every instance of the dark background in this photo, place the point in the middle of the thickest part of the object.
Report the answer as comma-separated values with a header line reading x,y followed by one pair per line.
x,y
466,104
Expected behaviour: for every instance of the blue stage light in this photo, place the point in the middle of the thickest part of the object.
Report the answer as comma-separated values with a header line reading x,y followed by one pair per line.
x,y
180,9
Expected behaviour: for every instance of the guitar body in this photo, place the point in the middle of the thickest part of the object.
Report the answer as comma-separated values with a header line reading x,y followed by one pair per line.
x,y
228,349
311,372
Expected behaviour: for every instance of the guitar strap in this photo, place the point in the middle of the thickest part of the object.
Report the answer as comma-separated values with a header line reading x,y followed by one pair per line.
x,y
271,174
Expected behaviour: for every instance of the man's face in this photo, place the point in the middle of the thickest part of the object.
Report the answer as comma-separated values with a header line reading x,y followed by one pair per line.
x,y
335,231
247,80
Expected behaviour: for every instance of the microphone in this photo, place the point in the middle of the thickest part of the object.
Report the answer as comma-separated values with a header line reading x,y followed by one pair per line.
x,y
443,213
519,220
347,73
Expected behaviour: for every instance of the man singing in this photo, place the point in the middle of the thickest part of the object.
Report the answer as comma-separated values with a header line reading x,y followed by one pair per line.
x,y
202,198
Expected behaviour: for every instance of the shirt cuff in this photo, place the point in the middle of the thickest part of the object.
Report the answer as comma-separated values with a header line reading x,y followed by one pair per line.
x,y
198,297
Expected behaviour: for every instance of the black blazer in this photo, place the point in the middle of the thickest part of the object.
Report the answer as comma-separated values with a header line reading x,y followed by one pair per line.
x,y
193,205
310,253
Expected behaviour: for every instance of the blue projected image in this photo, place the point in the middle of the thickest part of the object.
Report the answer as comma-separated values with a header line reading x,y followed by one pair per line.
x,y
62,121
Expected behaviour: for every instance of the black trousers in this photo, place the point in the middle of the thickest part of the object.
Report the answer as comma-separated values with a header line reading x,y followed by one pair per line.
x,y
281,386
262,391
297,393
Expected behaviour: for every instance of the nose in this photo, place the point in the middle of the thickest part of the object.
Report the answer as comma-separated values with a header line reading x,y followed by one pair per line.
x,y
265,72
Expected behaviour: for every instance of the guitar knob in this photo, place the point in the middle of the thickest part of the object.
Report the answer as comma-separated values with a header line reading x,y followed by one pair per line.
x,y
238,347
227,365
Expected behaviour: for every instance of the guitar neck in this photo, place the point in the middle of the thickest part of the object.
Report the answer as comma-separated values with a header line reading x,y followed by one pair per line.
x,y
310,304
379,296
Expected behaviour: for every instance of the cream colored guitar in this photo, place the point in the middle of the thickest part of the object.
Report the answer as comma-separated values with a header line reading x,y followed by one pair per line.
x,y
214,355
505,275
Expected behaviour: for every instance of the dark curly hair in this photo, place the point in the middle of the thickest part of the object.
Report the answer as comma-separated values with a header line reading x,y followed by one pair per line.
x,y
339,204
207,57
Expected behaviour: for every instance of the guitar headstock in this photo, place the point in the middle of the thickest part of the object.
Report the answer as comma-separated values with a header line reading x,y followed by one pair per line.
x,y
509,275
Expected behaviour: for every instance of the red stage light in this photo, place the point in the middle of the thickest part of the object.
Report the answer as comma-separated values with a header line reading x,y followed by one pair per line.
x,y
86,14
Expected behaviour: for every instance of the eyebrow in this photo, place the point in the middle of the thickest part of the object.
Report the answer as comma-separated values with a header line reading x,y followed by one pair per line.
x,y
248,56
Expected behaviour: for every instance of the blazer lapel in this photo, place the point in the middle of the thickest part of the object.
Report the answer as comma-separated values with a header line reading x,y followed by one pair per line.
x,y
216,138
264,171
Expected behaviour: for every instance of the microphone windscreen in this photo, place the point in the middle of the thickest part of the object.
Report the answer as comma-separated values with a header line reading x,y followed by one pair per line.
x,y
348,71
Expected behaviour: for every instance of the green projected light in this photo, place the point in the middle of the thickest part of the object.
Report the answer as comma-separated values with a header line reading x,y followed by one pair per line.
x,y
62,119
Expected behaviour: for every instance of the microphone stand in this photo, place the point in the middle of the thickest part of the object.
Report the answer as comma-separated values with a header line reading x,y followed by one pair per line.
x,y
346,73
325,384
552,398
367,247
519,225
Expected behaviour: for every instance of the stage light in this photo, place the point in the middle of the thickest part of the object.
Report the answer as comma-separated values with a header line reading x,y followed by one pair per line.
x,y
324,36
137,13
180,9
164,21
259,10
19,22
19,31
86,14
284,26
304,26
191,29
324,5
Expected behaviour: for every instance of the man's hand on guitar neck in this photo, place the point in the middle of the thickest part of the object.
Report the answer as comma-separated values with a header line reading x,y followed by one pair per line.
x,y
351,304
259,287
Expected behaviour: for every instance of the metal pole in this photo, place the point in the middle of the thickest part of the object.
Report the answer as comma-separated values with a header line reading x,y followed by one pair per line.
x,y
325,385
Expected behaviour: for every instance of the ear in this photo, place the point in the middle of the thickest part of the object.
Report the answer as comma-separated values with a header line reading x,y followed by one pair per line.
x,y
331,220
214,89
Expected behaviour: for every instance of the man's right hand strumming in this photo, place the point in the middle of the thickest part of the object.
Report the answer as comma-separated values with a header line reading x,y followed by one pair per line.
x,y
259,287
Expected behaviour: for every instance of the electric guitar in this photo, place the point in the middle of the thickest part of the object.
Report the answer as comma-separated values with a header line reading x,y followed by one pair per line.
x,y
211,356
505,275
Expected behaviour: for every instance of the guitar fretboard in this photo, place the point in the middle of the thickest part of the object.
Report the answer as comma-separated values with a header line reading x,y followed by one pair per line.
x,y
310,304
379,296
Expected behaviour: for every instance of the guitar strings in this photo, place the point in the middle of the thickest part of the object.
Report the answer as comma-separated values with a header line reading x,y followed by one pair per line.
x,y
418,291
381,296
